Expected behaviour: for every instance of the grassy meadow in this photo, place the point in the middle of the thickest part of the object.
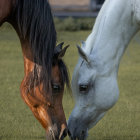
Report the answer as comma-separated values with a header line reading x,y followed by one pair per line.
x,y
122,122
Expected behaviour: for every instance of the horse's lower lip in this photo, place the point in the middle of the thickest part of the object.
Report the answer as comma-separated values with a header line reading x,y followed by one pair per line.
x,y
51,137
78,133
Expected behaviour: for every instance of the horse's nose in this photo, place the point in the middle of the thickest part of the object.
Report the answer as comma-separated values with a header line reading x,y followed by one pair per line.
x,y
63,132
53,133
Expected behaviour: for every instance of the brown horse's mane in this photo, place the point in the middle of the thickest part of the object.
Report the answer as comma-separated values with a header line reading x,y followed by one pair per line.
x,y
35,22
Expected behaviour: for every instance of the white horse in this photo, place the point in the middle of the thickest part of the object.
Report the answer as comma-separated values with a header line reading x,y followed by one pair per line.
x,y
94,82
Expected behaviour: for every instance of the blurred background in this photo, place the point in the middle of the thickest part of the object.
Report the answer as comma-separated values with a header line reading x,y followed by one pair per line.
x,y
76,8
75,14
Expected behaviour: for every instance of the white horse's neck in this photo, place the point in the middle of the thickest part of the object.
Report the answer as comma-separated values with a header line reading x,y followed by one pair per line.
x,y
113,30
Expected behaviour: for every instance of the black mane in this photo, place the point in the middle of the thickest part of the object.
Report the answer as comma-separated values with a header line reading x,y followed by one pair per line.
x,y
35,22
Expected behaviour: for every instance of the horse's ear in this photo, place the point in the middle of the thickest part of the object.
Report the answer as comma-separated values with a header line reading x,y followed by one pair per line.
x,y
58,48
63,51
59,52
83,44
83,54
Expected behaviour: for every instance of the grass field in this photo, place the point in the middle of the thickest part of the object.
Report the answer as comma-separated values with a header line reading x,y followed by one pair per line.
x,y
122,122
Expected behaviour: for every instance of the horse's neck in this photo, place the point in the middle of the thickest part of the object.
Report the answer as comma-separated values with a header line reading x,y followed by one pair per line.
x,y
113,30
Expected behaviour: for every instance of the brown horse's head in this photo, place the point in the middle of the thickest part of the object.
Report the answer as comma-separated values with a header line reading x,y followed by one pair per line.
x,y
46,103
57,127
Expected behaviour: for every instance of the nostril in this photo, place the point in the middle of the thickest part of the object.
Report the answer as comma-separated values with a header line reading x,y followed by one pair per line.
x,y
82,132
69,133
65,133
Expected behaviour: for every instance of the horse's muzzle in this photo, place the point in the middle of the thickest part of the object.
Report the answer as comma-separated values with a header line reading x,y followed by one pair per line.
x,y
54,134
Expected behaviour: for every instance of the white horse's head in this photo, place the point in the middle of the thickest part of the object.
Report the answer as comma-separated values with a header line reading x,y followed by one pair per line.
x,y
95,92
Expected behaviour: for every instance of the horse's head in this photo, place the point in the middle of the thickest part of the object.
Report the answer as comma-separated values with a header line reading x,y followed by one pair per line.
x,y
95,92
58,127
46,103
53,112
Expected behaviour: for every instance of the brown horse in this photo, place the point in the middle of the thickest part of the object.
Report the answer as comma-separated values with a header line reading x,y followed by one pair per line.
x,y
45,72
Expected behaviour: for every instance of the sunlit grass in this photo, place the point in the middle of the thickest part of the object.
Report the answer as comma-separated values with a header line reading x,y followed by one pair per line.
x,y
122,122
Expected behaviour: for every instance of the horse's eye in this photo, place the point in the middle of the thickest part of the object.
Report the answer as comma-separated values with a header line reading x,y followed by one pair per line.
x,y
56,88
83,88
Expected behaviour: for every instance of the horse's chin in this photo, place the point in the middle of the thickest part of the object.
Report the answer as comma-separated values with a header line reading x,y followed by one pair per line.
x,y
53,133
80,136
51,136
1,22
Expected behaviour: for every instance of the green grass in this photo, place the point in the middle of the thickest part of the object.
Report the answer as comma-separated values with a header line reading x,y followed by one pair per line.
x,y
122,122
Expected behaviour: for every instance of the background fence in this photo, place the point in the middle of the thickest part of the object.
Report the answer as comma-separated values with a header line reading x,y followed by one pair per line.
x,y
76,8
